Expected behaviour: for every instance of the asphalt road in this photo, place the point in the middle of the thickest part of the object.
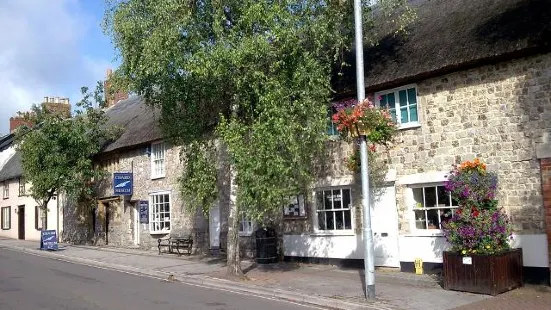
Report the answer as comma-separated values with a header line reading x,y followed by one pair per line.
x,y
30,282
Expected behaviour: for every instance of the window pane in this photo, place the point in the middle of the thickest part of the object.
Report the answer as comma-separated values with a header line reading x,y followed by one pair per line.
x,y
347,219
445,215
418,197
443,197
404,115
330,219
412,96
337,199
327,202
321,221
383,102
432,216
393,114
420,222
339,220
319,200
391,101
403,98
346,198
430,197
413,113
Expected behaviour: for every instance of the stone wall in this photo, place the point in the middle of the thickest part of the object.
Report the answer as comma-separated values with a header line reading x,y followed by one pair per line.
x,y
183,221
495,112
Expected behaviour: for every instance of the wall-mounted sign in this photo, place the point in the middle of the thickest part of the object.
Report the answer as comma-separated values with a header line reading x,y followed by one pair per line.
x,y
144,211
48,240
295,207
122,183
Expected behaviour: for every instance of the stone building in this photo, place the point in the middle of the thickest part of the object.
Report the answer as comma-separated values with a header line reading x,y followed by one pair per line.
x,y
470,79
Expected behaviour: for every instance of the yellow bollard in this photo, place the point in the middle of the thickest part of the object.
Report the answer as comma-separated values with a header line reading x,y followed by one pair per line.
x,y
418,266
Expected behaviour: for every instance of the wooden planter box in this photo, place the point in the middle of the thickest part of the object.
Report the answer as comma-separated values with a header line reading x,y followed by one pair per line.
x,y
484,274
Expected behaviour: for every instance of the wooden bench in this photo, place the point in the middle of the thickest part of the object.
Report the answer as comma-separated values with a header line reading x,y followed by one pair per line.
x,y
184,244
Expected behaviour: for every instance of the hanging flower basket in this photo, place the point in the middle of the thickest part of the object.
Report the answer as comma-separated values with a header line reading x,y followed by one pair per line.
x,y
355,119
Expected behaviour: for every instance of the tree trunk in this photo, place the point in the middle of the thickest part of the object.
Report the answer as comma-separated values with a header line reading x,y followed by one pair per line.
x,y
234,261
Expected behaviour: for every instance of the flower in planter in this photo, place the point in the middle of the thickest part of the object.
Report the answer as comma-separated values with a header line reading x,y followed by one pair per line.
x,y
363,118
478,226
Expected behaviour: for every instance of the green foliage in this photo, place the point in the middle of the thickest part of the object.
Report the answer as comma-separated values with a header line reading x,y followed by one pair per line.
x,y
198,181
57,152
255,73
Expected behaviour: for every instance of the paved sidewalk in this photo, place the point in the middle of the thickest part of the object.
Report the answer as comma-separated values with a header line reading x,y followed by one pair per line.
x,y
321,285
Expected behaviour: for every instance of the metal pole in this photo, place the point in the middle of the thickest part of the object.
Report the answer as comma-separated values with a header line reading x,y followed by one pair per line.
x,y
369,259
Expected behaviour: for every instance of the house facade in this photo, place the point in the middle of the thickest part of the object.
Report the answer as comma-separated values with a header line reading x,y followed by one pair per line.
x,y
470,90
20,216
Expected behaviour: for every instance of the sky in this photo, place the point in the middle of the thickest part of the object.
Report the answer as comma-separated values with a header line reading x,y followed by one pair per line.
x,y
50,48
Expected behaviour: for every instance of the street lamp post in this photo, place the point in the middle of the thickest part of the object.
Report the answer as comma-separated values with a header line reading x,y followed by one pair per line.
x,y
367,232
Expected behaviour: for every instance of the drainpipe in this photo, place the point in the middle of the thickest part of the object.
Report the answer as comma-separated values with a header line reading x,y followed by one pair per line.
x,y
57,218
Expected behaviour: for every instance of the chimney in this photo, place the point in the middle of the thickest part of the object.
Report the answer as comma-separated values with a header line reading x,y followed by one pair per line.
x,y
112,97
18,121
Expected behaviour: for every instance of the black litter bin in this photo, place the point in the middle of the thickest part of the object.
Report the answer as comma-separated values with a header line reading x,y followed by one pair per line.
x,y
266,246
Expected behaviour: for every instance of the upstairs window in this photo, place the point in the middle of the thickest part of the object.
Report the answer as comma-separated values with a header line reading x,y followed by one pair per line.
x,y
402,104
22,187
6,190
158,160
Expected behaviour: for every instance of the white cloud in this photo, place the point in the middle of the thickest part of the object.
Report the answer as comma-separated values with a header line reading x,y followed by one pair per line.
x,y
42,54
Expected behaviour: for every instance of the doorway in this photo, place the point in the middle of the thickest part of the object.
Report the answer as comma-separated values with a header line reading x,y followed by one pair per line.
x,y
136,228
384,222
214,227
21,222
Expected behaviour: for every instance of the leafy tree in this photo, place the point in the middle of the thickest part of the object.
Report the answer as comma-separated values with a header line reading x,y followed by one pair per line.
x,y
56,153
253,74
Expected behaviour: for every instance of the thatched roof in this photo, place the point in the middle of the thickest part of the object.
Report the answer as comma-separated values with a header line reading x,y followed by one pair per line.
x,y
451,35
12,169
140,123
6,141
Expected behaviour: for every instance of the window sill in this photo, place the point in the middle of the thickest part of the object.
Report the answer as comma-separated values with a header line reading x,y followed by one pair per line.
x,y
420,233
409,125
245,234
160,232
157,177
333,233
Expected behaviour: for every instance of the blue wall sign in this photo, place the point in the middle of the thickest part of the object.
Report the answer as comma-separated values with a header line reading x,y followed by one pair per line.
x,y
122,183
48,240
144,211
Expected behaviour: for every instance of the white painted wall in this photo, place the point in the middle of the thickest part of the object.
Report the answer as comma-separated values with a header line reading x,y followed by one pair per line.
x,y
429,248
14,200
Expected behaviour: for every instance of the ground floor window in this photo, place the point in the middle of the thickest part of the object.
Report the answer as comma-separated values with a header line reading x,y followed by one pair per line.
x,y
40,218
334,209
245,226
432,206
159,213
6,218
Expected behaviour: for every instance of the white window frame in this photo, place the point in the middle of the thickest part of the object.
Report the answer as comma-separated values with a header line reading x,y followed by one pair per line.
x,y
22,189
246,226
6,190
5,217
158,157
351,209
153,214
397,105
413,206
